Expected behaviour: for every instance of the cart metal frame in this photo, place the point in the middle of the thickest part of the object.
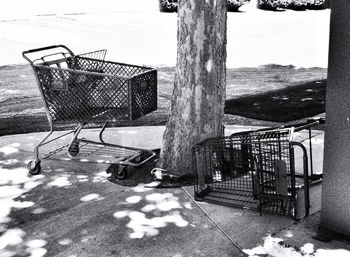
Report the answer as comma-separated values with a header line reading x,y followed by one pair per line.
x,y
83,89
255,170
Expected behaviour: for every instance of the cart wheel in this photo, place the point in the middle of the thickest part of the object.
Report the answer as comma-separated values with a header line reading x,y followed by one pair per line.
x,y
121,172
117,171
74,149
34,167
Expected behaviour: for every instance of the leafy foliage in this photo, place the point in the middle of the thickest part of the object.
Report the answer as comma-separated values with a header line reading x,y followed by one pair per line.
x,y
171,5
272,4
233,5
168,5
293,4
308,4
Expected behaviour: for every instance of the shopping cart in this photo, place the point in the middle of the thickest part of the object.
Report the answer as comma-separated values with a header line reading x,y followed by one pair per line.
x,y
85,89
257,170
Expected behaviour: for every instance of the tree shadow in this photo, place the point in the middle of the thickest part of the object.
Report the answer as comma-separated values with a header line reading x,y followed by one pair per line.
x,y
288,104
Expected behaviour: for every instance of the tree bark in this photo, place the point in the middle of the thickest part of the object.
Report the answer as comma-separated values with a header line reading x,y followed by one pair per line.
x,y
197,107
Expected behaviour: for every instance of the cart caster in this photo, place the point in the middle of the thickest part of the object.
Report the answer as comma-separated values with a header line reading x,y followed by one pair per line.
x,y
34,167
74,148
117,171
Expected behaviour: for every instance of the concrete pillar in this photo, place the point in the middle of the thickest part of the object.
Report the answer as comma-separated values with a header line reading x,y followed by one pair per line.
x,y
335,212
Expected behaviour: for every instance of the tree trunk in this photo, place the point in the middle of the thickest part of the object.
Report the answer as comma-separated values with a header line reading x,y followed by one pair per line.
x,y
197,106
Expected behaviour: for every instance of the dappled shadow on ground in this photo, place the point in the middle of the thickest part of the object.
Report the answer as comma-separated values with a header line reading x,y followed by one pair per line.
x,y
283,105
28,201
276,247
155,211
298,240
71,209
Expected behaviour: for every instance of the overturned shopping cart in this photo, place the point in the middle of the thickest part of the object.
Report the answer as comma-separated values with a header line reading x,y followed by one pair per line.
x,y
84,89
258,170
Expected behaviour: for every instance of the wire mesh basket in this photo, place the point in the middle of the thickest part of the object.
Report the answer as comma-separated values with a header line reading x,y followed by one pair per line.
x,y
253,170
86,88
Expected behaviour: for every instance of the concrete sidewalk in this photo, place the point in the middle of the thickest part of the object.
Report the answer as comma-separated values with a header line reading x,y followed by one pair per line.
x,y
71,209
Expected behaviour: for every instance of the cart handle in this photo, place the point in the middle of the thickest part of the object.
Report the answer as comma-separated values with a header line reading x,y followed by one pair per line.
x,y
25,53
306,176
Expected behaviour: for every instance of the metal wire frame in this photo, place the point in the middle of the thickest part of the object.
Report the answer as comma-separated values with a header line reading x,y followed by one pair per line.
x,y
95,152
95,55
111,92
86,88
252,170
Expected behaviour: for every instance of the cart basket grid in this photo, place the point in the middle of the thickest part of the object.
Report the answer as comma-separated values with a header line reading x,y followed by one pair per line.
x,y
252,170
97,91
82,89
